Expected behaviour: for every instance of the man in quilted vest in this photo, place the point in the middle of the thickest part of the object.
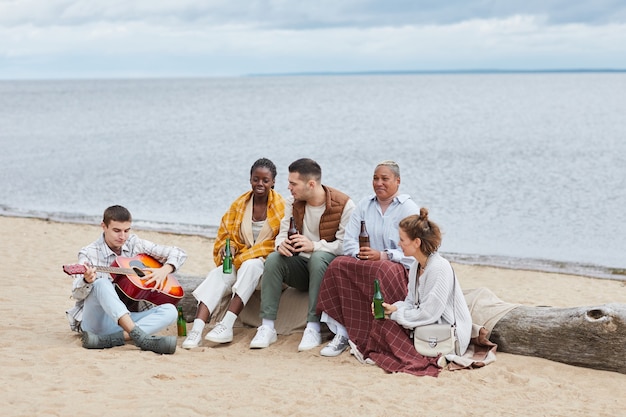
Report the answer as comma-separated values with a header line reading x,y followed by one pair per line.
x,y
321,214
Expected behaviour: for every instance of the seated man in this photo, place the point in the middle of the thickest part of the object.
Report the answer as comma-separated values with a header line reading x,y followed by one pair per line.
x,y
99,313
321,214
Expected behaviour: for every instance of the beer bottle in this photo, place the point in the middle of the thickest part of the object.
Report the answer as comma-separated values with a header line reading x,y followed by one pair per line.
x,y
379,311
227,263
181,323
364,237
292,231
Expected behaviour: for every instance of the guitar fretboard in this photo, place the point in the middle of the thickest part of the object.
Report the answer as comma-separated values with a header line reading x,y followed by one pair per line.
x,y
116,270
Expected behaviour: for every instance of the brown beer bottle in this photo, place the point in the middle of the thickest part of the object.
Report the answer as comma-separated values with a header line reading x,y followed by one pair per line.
x,y
292,231
364,237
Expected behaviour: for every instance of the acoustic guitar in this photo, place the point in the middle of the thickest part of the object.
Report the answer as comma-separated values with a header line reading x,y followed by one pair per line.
x,y
128,273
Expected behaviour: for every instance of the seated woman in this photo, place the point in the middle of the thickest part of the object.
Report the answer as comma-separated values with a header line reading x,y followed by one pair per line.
x,y
252,223
348,285
434,296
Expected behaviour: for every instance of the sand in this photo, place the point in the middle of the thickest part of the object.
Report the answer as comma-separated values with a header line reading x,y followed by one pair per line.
x,y
46,372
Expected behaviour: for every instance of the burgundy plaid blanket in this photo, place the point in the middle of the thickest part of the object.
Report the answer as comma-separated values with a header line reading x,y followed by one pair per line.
x,y
348,287
346,295
391,348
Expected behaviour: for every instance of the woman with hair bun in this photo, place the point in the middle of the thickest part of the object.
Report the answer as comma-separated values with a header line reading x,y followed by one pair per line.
x,y
434,296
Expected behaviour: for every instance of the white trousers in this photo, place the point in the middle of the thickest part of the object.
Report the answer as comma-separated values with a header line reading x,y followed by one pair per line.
x,y
242,282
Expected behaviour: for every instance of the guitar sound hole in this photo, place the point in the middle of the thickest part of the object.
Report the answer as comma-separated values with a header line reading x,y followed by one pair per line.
x,y
136,265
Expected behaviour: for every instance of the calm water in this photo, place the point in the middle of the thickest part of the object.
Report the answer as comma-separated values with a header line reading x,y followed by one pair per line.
x,y
526,170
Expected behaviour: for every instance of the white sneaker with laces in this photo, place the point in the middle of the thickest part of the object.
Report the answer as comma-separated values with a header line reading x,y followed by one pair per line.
x,y
310,339
192,340
335,347
264,337
220,334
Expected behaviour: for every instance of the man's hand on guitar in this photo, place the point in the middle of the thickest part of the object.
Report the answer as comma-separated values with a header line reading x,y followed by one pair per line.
x,y
90,274
158,276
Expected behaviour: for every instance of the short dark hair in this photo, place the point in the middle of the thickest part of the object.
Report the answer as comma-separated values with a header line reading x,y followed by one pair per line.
x,y
264,163
307,168
117,214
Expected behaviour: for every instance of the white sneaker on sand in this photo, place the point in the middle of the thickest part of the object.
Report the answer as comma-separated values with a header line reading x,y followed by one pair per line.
x,y
220,334
335,347
264,337
192,340
310,339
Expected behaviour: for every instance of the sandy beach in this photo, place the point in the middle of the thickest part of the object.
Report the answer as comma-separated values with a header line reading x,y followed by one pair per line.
x,y
46,372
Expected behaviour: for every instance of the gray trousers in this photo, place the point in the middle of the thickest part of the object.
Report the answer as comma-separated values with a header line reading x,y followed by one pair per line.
x,y
297,272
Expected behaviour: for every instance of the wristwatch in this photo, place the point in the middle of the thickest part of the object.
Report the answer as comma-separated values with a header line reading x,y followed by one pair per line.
x,y
389,255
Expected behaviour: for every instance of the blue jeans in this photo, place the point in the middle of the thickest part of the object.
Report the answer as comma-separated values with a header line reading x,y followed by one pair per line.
x,y
103,308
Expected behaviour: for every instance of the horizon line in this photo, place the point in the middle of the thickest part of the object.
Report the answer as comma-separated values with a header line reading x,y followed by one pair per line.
x,y
443,71
328,73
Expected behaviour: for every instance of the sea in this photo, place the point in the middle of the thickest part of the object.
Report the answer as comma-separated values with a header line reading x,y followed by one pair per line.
x,y
520,170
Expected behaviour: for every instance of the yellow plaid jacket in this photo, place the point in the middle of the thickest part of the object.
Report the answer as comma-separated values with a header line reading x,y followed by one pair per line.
x,y
240,233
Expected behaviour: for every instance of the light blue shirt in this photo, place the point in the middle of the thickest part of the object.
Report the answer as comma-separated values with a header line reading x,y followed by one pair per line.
x,y
383,229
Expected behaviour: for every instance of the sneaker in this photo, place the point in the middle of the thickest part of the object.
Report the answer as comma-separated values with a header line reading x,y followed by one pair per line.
x,y
93,341
264,337
310,339
335,347
165,345
220,334
192,340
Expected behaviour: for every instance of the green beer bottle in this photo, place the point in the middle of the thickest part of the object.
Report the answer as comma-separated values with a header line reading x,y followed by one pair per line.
x,y
181,324
227,264
379,311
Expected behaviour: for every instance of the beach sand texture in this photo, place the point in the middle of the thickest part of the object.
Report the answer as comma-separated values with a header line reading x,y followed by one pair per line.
x,y
46,372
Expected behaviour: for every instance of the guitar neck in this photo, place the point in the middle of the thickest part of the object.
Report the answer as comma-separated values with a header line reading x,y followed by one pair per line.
x,y
116,270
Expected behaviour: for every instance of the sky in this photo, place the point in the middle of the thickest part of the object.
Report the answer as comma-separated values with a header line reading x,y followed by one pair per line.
x,y
61,39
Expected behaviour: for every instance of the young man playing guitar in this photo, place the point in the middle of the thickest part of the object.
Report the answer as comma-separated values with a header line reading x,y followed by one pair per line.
x,y
100,313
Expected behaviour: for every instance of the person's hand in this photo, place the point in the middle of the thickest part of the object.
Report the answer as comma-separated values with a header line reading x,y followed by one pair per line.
x,y
301,243
389,308
369,254
157,276
90,274
285,248
222,251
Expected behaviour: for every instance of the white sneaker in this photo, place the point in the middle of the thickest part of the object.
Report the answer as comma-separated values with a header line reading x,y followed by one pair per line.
x,y
310,339
220,334
192,340
264,337
335,347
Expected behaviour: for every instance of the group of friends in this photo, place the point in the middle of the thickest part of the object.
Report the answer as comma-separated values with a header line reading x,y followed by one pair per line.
x,y
324,258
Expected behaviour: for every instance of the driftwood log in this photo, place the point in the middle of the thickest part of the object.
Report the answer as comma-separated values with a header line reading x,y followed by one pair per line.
x,y
591,337
189,303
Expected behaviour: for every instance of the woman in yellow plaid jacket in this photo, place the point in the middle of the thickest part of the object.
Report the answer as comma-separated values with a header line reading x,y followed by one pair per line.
x,y
252,223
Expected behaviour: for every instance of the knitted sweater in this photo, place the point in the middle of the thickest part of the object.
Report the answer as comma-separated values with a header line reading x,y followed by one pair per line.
x,y
436,302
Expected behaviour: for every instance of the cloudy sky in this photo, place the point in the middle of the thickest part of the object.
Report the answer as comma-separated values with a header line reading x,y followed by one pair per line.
x,y
171,38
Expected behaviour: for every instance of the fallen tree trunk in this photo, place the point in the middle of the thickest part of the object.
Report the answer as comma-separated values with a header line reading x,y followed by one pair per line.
x,y
189,302
591,337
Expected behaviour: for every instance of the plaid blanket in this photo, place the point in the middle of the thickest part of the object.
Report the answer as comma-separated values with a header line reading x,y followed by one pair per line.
x,y
347,290
231,226
391,348
346,295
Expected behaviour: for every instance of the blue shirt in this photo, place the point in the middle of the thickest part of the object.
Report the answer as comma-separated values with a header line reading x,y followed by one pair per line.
x,y
383,229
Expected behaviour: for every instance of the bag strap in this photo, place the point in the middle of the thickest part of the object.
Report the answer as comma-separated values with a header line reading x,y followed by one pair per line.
x,y
453,295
